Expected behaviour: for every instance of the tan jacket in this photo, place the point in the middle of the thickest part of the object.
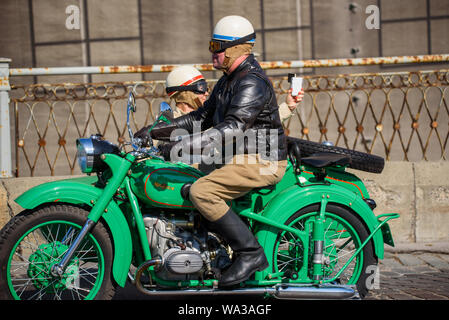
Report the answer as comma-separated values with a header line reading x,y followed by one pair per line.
x,y
284,112
178,112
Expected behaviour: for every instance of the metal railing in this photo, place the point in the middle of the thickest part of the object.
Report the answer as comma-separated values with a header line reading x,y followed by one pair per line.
x,y
400,115
320,63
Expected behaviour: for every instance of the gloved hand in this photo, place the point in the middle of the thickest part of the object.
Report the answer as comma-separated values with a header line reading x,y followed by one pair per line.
x,y
144,135
165,149
161,131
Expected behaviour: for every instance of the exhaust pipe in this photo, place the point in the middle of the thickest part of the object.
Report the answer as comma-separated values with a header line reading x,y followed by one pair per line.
x,y
291,292
279,291
332,292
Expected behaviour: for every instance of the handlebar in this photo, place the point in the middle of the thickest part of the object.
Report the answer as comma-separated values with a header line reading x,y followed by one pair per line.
x,y
136,143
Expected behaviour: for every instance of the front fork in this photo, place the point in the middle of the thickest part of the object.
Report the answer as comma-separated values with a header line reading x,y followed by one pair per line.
x,y
119,166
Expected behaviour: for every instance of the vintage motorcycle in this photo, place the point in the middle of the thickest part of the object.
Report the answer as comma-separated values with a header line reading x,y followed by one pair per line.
x,y
132,220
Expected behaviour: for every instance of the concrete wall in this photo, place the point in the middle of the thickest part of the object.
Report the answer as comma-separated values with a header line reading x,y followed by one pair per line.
x,y
419,192
121,32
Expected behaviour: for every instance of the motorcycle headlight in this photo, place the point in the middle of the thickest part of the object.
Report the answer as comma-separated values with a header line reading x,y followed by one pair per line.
x,y
85,154
89,151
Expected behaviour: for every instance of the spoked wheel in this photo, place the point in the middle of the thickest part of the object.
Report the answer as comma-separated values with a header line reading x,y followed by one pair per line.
x,y
344,234
33,242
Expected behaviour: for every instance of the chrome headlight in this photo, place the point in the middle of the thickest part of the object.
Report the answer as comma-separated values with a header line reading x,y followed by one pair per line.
x,y
89,151
85,154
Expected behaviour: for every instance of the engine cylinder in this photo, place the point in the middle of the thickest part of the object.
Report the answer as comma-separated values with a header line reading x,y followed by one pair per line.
x,y
182,261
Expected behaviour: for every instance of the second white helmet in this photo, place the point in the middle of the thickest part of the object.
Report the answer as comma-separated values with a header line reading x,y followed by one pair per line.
x,y
185,78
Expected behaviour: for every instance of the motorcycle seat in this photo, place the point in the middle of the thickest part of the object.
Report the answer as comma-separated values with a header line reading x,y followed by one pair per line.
x,y
326,159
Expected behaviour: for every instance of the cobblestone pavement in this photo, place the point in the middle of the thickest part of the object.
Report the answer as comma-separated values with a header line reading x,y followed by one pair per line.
x,y
408,274
413,276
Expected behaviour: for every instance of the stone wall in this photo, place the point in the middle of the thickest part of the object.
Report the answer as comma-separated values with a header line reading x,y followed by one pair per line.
x,y
419,192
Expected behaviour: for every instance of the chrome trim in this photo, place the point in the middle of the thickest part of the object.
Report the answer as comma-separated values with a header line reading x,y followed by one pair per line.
x,y
87,144
59,269
278,291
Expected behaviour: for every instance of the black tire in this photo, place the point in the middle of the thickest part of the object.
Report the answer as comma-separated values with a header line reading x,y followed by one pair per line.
x,y
48,220
368,265
359,160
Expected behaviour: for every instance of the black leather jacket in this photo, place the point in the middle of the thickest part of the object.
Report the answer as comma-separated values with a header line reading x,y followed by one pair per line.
x,y
242,102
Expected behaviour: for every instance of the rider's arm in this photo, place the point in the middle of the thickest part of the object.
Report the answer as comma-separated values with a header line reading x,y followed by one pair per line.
x,y
287,108
203,115
284,111
249,99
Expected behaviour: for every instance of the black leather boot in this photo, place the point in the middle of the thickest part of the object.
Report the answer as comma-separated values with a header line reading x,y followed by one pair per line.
x,y
250,256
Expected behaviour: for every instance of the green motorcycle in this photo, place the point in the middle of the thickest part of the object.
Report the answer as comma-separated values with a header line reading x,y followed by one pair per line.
x,y
132,220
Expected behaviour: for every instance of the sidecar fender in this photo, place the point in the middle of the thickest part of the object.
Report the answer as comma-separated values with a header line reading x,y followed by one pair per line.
x,y
82,191
292,199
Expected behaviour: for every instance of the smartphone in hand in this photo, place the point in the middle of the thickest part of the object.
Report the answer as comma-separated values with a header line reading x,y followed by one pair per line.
x,y
295,84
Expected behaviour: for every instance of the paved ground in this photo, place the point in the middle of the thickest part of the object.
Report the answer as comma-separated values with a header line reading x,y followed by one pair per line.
x,y
408,272
414,275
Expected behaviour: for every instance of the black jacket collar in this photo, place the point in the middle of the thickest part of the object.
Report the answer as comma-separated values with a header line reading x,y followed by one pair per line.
x,y
248,63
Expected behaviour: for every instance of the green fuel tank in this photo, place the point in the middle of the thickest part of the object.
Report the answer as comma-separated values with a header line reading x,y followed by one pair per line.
x,y
159,183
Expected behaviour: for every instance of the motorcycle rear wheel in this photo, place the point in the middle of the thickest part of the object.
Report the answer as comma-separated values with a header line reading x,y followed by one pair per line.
x,y
344,233
33,241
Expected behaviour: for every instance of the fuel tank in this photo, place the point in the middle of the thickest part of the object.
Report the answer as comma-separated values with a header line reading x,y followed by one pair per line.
x,y
158,183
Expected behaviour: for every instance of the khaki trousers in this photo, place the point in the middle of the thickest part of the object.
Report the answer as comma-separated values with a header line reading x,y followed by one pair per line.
x,y
233,180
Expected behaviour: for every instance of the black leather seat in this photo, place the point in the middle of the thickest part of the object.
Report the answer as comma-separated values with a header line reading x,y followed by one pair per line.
x,y
294,152
326,159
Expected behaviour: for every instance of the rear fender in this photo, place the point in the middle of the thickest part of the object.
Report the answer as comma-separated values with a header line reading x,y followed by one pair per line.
x,y
80,191
292,199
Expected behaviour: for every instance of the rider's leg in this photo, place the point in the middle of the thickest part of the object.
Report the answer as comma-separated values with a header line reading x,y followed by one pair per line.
x,y
212,193
209,195
249,255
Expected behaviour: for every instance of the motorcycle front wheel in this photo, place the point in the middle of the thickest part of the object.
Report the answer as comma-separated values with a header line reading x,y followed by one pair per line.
x,y
34,241
343,232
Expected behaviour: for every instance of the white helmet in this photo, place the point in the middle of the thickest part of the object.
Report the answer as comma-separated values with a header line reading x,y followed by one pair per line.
x,y
185,78
230,31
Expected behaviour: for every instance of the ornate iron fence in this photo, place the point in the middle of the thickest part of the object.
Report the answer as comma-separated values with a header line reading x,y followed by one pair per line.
x,y
400,116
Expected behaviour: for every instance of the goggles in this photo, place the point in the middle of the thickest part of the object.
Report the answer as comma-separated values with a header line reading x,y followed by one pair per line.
x,y
216,46
199,87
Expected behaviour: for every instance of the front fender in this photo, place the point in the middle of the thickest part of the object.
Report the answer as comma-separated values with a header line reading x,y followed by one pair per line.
x,y
292,199
82,191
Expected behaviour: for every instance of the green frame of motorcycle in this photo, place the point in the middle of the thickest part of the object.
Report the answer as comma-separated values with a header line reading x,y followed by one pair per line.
x,y
130,180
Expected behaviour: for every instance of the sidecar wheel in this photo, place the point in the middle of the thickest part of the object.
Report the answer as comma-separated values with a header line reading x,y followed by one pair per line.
x,y
33,241
344,234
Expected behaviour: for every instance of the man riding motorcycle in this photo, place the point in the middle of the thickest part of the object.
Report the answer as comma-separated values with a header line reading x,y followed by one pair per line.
x,y
242,100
